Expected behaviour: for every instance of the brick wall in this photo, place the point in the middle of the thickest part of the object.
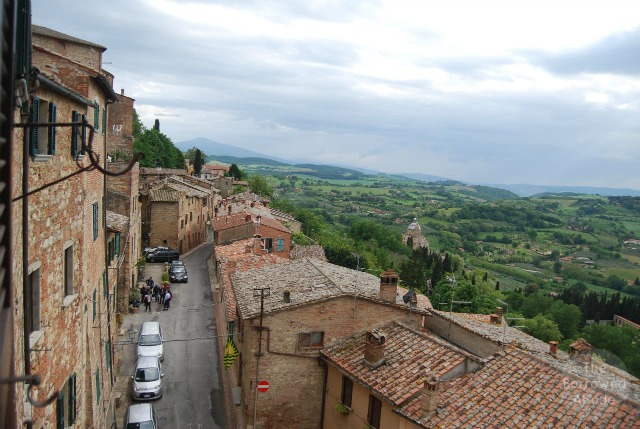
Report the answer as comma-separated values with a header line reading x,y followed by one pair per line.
x,y
295,397
164,224
120,132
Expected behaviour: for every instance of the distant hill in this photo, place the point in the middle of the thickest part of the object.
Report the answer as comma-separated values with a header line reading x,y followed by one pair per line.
x,y
233,154
524,190
210,147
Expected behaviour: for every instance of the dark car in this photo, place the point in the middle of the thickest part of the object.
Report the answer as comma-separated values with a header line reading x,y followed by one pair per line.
x,y
178,273
177,262
163,255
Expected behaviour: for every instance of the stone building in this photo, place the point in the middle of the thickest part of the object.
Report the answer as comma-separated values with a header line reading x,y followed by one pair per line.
x,y
404,378
308,305
413,237
59,248
271,235
120,132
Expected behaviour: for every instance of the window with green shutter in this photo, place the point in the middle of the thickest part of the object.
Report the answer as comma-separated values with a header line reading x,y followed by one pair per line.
x,y
280,244
60,411
34,117
75,134
66,404
104,284
104,121
95,221
117,243
98,386
95,303
72,399
96,116
107,351
51,142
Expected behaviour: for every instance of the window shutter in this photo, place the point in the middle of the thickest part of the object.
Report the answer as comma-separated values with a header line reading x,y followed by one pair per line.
x,y
34,115
104,284
95,220
117,243
98,386
75,117
96,116
280,245
60,411
95,302
104,121
72,399
52,130
107,351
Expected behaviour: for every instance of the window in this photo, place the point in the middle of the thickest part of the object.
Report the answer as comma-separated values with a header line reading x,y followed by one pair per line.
x,y
104,121
107,352
311,340
105,289
95,303
34,301
41,142
95,221
267,244
96,116
78,134
66,404
68,271
117,243
280,244
375,409
347,391
98,386
181,224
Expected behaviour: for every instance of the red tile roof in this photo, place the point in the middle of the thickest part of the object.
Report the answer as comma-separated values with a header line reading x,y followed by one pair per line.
x,y
517,390
409,354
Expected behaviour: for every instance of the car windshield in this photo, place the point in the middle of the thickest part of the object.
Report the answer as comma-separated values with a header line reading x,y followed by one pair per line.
x,y
178,269
147,374
150,340
177,263
141,425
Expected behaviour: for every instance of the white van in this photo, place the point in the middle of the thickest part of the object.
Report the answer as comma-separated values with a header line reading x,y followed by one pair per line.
x,y
147,379
150,340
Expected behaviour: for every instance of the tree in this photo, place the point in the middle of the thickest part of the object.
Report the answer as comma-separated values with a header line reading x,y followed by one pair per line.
x,y
260,186
535,304
543,329
156,125
158,150
197,163
235,172
566,316
557,267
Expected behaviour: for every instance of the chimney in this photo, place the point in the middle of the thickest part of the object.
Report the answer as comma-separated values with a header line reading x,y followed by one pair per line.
x,y
494,319
430,395
499,312
374,349
389,286
553,347
122,91
580,351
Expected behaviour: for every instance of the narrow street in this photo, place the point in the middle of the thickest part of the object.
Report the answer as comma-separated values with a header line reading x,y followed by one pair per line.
x,y
193,395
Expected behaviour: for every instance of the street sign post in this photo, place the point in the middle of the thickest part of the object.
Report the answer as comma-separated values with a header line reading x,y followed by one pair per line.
x,y
263,386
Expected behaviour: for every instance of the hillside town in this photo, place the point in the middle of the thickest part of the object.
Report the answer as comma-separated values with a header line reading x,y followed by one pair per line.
x,y
297,342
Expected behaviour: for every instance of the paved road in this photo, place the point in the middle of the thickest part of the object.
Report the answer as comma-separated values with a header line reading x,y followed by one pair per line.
x,y
193,396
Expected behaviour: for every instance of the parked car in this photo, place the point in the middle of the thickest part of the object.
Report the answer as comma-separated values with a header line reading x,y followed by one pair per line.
x,y
163,255
176,263
141,416
150,340
178,273
147,378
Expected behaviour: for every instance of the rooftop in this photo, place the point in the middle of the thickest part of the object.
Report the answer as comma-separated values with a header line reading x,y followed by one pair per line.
x,y
309,280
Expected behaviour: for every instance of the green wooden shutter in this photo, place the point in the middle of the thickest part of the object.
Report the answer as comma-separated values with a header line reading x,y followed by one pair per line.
x,y
95,302
98,385
52,130
34,116
280,244
107,351
75,117
96,116
60,411
104,284
104,121
117,243
72,399
95,220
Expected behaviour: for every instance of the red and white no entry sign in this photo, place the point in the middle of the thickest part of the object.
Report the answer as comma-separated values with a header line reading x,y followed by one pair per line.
x,y
263,386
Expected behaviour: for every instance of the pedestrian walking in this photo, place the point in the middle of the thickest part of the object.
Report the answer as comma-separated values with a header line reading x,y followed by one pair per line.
x,y
147,302
167,300
150,282
156,292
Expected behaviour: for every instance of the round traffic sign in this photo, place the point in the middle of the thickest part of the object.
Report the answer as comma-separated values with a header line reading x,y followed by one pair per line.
x,y
263,386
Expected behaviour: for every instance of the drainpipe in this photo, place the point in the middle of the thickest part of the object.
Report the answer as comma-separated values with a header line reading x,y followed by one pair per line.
x,y
26,296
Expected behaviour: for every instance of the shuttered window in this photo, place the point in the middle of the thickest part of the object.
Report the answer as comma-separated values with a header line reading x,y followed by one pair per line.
x,y
95,221
96,116
280,244
51,141
34,116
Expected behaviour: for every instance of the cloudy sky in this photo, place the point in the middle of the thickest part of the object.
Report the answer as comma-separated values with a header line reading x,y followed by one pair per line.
x,y
512,91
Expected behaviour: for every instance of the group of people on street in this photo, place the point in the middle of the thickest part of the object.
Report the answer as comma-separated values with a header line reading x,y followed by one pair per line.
x,y
156,292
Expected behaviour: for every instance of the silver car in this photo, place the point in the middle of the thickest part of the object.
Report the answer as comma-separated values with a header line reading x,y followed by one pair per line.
x,y
147,379
150,340
141,416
